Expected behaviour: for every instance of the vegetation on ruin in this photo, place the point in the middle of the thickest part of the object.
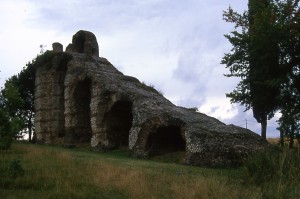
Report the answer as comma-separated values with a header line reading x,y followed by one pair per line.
x,y
46,60
17,97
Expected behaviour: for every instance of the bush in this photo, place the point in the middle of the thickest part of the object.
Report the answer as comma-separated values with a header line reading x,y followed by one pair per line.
x,y
9,129
5,128
9,132
15,168
5,142
274,165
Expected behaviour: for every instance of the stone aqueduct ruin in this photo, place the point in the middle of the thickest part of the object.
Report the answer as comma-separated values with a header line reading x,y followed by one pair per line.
x,y
85,99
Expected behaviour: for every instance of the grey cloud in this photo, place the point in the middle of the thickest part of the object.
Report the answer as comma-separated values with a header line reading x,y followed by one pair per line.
x,y
106,15
190,32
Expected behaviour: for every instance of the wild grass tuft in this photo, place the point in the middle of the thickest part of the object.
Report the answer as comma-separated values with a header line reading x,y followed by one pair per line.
x,y
276,171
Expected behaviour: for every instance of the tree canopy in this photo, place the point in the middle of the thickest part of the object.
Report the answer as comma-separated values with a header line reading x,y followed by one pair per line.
x,y
17,97
265,54
11,124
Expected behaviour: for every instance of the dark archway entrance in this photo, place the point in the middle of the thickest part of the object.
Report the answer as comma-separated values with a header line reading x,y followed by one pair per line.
x,y
166,140
118,122
82,101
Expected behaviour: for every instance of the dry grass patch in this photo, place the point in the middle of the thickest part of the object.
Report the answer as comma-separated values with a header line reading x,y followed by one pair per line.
x,y
147,183
60,173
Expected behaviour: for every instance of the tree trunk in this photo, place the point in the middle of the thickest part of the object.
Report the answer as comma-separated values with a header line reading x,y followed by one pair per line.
x,y
29,126
281,138
292,135
264,128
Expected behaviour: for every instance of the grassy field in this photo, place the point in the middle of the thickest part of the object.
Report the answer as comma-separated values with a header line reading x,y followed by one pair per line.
x,y
34,171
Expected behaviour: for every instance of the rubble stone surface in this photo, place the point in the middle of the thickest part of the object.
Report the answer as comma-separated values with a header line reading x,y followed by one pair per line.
x,y
87,100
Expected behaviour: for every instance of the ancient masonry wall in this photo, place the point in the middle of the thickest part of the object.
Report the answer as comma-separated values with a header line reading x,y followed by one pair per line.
x,y
87,100
49,105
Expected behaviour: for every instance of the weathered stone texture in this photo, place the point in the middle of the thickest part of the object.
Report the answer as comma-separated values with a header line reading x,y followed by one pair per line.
x,y
49,104
57,47
84,42
91,101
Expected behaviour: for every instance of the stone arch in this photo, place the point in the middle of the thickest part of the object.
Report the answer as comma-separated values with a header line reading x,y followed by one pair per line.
x,y
165,139
159,137
59,87
117,122
82,99
78,116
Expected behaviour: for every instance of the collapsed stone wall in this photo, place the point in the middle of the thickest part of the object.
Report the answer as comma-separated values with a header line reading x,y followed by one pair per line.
x,y
87,100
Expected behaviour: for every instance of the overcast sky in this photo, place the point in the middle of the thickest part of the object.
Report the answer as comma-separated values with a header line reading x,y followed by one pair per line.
x,y
174,45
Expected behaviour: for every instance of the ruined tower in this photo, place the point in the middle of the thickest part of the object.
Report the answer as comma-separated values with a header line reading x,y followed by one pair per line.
x,y
82,98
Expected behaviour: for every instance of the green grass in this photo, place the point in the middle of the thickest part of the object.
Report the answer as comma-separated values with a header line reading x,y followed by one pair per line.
x,y
276,171
55,172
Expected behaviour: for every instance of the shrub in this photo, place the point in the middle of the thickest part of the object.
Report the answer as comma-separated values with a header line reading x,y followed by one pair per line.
x,y
5,128
276,165
9,131
5,142
15,168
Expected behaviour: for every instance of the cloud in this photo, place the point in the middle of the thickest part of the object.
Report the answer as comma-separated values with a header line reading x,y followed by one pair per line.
x,y
174,45
219,107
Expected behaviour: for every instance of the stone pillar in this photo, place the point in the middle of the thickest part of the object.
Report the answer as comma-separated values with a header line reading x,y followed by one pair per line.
x,y
49,105
85,42
70,48
57,47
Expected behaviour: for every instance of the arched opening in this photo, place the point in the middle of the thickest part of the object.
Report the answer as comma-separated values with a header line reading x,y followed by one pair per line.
x,y
166,140
118,122
82,99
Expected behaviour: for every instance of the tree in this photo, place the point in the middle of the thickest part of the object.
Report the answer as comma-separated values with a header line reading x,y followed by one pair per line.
x,y
254,59
265,56
11,124
265,73
25,82
289,122
289,17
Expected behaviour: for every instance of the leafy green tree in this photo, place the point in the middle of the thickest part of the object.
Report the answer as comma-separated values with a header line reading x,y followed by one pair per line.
x,y
254,58
265,74
25,82
6,136
265,56
289,17
289,122
11,124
